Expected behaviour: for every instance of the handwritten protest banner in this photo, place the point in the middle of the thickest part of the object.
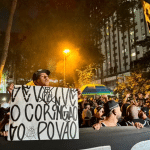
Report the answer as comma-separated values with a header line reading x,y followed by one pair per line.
x,y
43,113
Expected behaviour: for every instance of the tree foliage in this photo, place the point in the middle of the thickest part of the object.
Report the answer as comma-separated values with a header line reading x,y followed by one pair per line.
x,y
45,28
86,76
142,64
133,84
143,43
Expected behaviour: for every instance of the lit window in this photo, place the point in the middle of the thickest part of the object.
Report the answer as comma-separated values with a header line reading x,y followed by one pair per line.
x,y
131,33
133,54
124,50
134,10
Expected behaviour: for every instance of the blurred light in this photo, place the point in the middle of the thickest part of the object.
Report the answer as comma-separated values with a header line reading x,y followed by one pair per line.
x,y
4,99
66,51
133,54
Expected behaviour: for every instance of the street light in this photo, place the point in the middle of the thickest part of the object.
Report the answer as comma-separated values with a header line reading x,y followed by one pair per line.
x,y
65,53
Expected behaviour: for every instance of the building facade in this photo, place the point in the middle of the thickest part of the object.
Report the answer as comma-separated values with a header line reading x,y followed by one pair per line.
x,y
117,46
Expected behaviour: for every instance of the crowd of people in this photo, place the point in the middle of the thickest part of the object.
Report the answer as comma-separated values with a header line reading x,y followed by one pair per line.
x,y
102,111
97,112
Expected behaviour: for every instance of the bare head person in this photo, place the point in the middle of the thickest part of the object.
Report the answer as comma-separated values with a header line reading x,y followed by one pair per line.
x,y
132,112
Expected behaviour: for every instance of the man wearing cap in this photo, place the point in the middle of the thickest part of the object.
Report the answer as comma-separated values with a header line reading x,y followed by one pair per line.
x,y
40,78
112,113
144,113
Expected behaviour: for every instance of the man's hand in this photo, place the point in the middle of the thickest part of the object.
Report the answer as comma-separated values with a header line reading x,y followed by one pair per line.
x,y
79,93
4,121
4,133
138,125
147,95
97,126
128,95
10,88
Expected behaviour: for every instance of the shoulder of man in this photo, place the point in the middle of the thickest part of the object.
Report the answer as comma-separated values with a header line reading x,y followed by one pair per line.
x,y
31,83
144,122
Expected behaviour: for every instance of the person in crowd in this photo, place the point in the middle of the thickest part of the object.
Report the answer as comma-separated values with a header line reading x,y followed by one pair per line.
x,y
85,100
141,102
131,98
143,114
40,78
86,115
95,103
126,98
99,112
4,119
140,95
104,98
80,98
135,96
132,113
124,108
100,104
112,113
79,94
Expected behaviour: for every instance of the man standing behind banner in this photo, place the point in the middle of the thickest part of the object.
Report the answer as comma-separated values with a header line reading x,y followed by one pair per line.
x,y
40,78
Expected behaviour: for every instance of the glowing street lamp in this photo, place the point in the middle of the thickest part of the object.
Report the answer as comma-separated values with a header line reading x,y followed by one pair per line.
x,y
65,53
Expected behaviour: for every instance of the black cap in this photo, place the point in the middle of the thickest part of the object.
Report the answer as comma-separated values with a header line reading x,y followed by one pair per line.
x,y
109,106
37,73
146,110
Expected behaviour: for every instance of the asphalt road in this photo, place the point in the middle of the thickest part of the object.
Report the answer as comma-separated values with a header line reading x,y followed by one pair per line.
x,y
119,138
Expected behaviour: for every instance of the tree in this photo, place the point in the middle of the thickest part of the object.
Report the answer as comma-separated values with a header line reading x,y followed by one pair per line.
x,y
142,64
133,84
46,24
54,26
143,43
125,14
85,76
7,38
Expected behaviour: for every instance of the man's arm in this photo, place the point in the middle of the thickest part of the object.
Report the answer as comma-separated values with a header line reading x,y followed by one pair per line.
x,y
138,125
97,126
10,89
125,100
4,121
